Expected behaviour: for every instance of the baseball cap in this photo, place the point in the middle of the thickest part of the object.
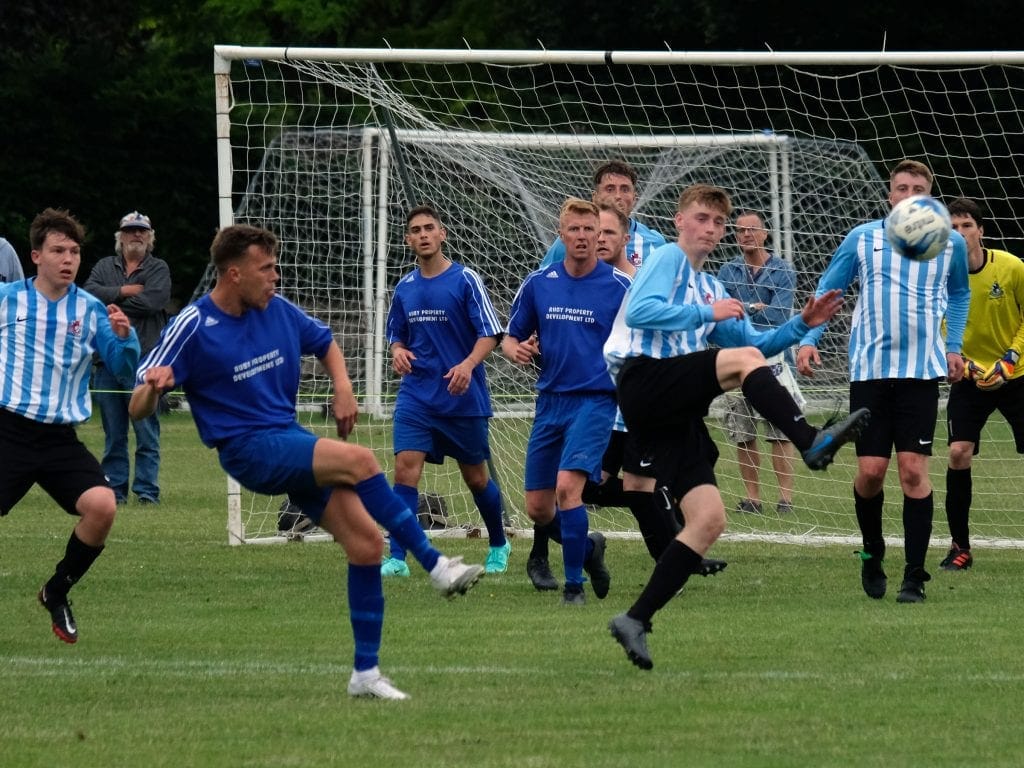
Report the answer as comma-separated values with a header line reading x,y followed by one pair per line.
x,y
135,220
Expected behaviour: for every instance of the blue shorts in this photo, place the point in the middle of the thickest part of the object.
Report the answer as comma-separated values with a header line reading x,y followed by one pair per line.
x,y
277,461
570,432
464,438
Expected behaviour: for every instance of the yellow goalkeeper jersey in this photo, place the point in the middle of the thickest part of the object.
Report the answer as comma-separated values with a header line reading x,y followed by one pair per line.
x,y
995,322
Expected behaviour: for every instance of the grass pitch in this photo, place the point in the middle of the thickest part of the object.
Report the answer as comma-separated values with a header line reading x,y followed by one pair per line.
x,y
193,653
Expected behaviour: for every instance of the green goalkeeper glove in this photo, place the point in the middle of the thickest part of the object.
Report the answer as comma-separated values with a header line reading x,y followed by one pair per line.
x,y
999,372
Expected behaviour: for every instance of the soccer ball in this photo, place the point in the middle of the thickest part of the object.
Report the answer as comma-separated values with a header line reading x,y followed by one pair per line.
x,y
918,227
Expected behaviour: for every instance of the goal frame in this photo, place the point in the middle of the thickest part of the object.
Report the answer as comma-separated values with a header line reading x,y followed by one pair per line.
x,y
376,249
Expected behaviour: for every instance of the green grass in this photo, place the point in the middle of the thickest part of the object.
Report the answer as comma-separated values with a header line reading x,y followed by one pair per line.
x,y
193,653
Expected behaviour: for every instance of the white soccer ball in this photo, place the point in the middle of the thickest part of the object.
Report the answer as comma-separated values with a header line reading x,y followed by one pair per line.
x,y
918,227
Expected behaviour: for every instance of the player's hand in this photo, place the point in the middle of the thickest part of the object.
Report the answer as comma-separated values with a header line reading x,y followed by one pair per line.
x,y
459,377
401,360
522,352
345,410
160,378
955,367
821,309
727,309
805,356
119,321
1000,372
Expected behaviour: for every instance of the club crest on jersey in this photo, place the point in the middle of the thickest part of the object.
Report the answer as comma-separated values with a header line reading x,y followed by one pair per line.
x,y
75,328
996,292
708,298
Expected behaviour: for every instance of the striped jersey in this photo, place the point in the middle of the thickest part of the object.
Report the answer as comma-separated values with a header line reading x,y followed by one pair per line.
x,y
995,322
240,374
642,241
46,352
439,319
668,313
572,317
896,330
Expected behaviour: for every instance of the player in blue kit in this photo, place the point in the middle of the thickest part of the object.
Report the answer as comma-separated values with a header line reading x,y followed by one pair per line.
x,y
236,354
568,310
897,357
49,330
667,373
441,326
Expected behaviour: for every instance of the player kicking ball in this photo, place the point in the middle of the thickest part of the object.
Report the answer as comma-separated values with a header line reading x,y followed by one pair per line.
x,y
236,354
667,377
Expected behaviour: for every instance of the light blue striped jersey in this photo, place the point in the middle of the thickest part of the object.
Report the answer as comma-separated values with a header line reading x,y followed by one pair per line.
x,y
46,352
440,319
896,331
642,241
667,313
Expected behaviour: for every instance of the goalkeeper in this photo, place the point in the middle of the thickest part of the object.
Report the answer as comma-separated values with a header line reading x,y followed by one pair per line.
x,y
994,381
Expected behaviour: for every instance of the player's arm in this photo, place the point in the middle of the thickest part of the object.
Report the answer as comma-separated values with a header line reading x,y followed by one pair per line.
x,y
838,275
116,342
343,404
146,396
648,305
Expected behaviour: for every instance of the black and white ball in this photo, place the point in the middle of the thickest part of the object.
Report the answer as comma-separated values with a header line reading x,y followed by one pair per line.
x,y
918,227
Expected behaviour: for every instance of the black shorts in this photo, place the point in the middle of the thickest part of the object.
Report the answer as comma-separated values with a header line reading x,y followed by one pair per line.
x,y
970,407
664,402
50,455
903,414
630,456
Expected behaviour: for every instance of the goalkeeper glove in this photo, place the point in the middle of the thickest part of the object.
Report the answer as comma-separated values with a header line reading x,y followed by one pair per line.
x,y
972,371
999,372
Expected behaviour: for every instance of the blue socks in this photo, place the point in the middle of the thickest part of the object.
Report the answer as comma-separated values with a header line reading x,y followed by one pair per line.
x,y
488,501
366,612
388,509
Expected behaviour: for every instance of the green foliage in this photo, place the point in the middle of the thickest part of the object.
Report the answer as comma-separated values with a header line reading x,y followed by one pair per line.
x,y
195,653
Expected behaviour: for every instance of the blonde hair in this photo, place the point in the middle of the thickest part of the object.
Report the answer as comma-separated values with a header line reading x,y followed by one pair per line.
x,y
578,206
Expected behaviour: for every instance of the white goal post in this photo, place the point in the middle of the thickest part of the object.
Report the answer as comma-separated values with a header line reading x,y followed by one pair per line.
x,y
330,147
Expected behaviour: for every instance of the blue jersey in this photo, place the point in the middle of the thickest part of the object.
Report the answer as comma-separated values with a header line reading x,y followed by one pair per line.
x,y
46,352
642,241
668,313
572,317
439,319
240,374
896,331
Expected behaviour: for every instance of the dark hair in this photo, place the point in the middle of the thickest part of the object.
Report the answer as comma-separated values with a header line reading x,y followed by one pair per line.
x,y
423,210
54,220
231,243
619,167
964,206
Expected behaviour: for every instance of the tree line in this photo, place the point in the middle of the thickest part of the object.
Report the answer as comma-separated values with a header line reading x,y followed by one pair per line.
x,y
108,107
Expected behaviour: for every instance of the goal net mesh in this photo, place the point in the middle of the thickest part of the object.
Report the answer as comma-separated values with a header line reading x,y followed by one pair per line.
x,y
330,154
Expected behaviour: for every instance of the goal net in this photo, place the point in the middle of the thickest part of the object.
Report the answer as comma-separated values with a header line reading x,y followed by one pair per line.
x,y
330,148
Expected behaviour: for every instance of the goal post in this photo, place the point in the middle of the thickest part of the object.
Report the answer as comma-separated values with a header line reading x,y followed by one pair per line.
x,y
330,147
